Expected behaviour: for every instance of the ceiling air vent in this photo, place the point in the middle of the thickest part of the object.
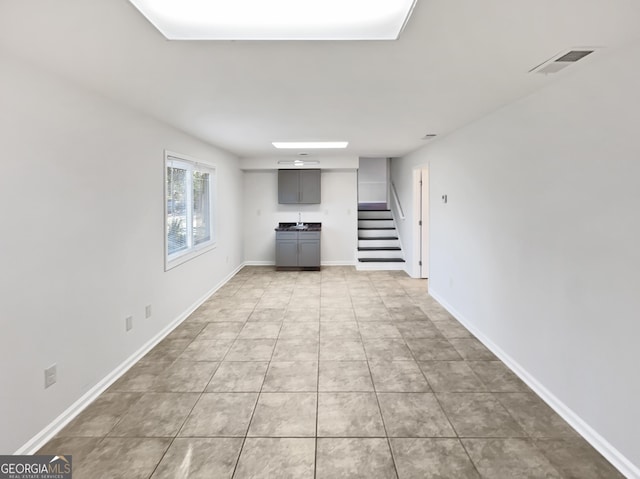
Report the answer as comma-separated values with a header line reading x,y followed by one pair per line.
x,y
562,61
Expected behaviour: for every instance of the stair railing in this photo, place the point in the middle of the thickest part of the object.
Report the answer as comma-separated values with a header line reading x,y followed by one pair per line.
x,y
396,201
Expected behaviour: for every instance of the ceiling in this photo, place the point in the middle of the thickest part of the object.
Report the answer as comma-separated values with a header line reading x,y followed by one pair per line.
x,y
456,61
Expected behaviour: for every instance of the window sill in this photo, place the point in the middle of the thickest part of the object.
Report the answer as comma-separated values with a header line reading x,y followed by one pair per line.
x,y
177,260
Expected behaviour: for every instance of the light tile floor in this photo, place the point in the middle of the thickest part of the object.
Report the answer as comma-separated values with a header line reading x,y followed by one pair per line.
x,y
331,374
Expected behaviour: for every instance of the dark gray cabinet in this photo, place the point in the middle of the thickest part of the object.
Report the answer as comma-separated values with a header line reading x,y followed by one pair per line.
x,y
297,249
298,186
288,186
286,249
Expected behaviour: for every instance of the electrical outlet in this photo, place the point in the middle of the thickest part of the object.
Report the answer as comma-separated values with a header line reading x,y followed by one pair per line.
x,y
50,376
147,311
128,322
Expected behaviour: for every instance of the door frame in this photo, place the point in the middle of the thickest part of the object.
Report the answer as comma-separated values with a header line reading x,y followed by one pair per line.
x,y
421,222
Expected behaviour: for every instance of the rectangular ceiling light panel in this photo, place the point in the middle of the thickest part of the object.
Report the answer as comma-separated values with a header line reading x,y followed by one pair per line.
x,y
300,145
277,19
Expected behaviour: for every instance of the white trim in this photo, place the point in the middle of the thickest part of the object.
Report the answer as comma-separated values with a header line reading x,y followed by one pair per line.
x,y
190,164
604,447
380,266
46,434
322,263
338,263
416,187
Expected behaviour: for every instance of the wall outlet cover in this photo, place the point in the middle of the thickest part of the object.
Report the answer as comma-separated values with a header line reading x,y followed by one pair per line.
x,y
50,376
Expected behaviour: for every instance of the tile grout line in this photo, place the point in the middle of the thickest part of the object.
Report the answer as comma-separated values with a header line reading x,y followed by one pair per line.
x,y
315,461
254,282
458,438
375,393
244,439
196,402
146,392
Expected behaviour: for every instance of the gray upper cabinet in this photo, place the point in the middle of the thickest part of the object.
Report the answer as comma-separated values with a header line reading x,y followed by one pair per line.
x,y
309,186
288,186
298,186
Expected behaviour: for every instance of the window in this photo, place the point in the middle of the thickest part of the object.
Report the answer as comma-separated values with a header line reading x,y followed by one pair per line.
x,y
189,213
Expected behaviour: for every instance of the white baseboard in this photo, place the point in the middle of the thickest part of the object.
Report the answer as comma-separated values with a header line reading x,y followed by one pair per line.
x,y
604,447
40,439
323,263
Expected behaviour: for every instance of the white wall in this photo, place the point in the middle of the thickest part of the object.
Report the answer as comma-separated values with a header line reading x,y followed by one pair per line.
x,y
81,246
537,248
402,177
372,180
338,214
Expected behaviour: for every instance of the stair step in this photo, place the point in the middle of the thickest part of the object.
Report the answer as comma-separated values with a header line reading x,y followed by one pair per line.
x,y
386,266
379,248
372,207
377,232
379,228
377,223
380,253
375,215
378,238
381,260
375,243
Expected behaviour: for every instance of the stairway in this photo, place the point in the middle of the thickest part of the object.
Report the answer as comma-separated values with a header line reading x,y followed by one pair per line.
x,y
378,244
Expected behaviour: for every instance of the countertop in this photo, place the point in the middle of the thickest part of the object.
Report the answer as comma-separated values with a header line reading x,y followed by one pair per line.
x,y
291,227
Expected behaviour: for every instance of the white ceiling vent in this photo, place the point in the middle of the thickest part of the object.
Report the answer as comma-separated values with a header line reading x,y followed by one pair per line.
x,y
562,60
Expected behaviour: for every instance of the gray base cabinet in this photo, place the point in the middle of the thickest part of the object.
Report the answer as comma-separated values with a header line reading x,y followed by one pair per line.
x,y
286,249
298,249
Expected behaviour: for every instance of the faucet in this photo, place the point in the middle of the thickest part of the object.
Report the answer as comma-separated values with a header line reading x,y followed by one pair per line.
x,y
299,223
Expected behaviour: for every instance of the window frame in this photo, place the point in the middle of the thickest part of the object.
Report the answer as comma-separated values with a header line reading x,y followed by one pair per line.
x,y
192,251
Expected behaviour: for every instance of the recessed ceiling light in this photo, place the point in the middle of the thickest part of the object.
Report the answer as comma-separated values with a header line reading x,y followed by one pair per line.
x,y
303,145
277,19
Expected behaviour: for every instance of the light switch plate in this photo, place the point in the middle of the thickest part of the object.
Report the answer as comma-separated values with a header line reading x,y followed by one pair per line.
x,y
50,376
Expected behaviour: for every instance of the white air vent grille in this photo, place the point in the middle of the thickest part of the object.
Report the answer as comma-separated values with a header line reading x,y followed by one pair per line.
x,y
562,60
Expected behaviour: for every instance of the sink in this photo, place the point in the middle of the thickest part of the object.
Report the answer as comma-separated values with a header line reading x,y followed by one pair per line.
x,y
299,226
